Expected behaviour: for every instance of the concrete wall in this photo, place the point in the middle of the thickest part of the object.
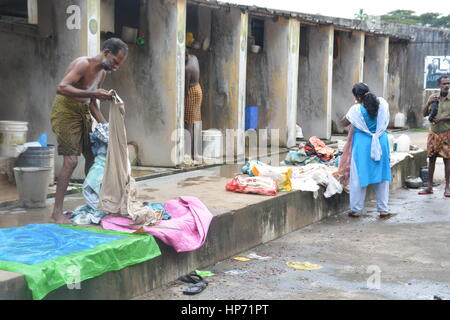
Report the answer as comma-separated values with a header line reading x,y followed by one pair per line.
x,y
426,42
315,81
151,82
227,73
272,77
199,22
398,57
376,59
33,65
348,65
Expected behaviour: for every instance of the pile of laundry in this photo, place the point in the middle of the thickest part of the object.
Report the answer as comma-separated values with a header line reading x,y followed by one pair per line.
x,y
263,179
89,212
110,189
313,151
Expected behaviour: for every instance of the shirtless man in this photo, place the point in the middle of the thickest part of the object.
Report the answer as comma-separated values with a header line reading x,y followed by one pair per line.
x,y
75,102
192,103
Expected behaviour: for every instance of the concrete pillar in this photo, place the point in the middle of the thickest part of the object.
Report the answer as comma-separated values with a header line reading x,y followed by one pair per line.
x,y
398,63
107,8
32,7
228,73
281,44
376,62
151,83
90,28
347,70
315,81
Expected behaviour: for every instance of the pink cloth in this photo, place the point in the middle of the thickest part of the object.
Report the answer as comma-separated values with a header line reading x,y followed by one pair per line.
x,y
346,157
187,213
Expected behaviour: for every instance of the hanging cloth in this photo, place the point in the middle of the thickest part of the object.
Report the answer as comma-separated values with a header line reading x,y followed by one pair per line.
x,y
118,192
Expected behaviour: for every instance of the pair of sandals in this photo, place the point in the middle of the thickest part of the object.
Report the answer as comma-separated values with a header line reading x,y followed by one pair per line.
x,y
197,283
357,215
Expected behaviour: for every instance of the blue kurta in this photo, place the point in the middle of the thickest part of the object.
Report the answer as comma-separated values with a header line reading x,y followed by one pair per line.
x,y
369,170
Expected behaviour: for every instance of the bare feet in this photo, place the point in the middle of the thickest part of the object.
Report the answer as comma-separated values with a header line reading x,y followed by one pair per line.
x,y
60,218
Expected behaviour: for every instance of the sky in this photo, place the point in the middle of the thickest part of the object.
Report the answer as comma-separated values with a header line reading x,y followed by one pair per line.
x,y
347,8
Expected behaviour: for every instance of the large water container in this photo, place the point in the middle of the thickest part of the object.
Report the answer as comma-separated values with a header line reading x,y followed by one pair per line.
x,y
212,146
43,157
251,118
403,143
12,133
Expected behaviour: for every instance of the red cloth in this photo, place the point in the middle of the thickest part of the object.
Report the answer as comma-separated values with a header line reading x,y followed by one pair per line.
x,y
321,148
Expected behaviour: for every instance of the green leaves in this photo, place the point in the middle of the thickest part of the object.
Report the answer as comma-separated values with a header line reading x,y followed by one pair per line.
x,y
428,19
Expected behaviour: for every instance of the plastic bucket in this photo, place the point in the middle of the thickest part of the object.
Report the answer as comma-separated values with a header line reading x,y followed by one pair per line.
x,y
424,175
212,146
39,157
32,186
12,133
403,143
341,145
251,118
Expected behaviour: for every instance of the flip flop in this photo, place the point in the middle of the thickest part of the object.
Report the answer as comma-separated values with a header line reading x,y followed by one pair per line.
x,y
354,214
192,278
425,192
389,214
195,288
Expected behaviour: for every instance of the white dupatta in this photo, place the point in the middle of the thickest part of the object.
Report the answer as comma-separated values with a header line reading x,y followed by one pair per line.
x,y
356,118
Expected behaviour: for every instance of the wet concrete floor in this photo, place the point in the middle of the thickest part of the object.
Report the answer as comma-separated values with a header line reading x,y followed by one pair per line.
x,y
405,256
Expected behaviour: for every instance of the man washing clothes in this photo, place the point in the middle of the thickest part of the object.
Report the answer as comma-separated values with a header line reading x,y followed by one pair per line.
x,y
73,108
192,105
438,144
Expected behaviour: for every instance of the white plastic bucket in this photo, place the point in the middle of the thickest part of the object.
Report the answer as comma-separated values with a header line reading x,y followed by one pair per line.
x,y
403,143
341,145
212,146
32,186
12,133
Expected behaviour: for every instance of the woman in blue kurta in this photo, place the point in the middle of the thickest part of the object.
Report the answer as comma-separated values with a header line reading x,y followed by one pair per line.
x,y
370,161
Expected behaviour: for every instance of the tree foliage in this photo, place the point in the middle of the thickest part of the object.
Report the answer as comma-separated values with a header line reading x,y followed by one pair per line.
x,y
361,15
429,19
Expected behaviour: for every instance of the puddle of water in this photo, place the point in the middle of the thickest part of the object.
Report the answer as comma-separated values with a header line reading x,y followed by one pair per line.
x,y
141,173
230,171
194,181
150,190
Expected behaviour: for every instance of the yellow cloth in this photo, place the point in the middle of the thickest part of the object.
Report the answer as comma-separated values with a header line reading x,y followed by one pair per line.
x,y
189,39
302,265
192,104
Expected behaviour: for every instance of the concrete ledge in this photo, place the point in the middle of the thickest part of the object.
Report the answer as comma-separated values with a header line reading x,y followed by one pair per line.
x,y
230,233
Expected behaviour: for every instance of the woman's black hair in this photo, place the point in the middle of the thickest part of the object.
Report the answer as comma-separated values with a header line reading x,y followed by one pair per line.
x,y
367,98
